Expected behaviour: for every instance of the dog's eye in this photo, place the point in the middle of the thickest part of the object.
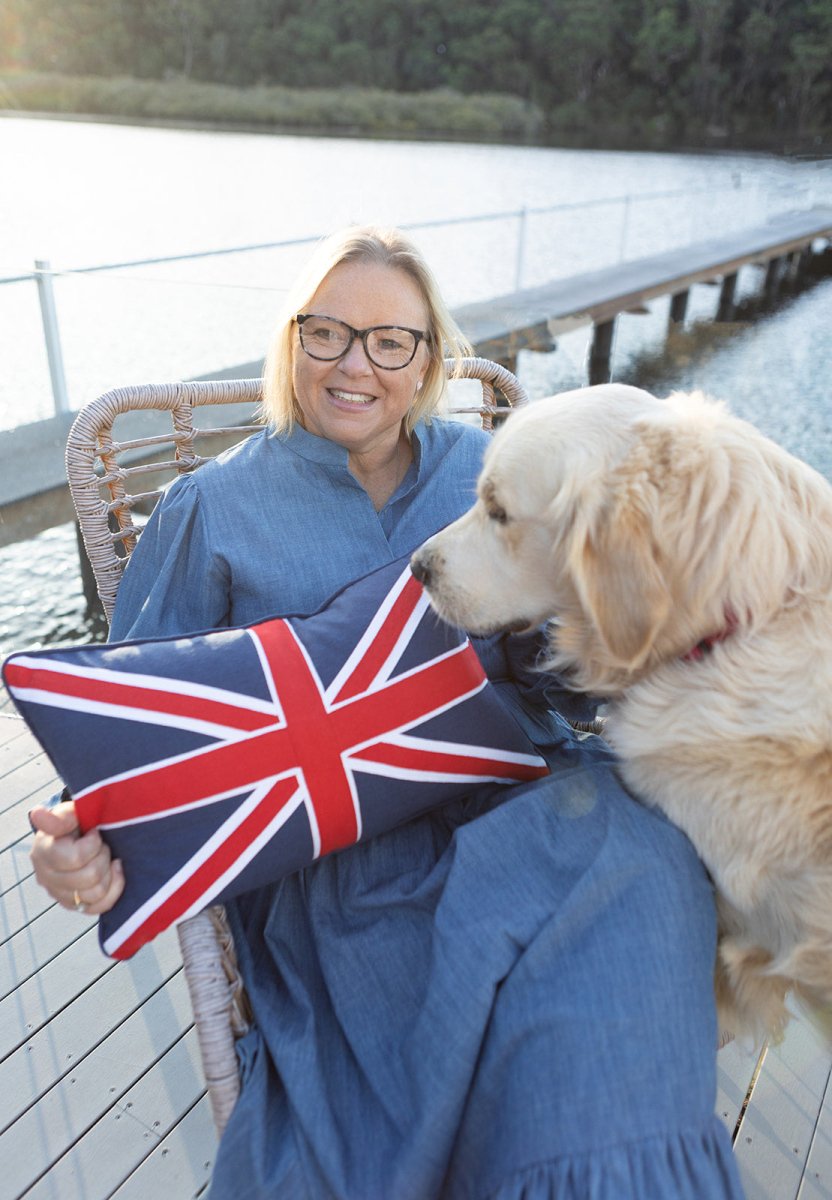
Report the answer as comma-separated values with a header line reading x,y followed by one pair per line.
x,y
498,514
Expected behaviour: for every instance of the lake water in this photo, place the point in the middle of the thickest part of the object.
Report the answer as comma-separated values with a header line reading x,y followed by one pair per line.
x,y
81,194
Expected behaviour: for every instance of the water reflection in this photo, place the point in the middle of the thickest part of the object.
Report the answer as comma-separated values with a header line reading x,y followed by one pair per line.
x,y
772,366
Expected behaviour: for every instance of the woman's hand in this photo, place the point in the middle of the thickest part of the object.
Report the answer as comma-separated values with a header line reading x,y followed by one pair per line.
x,y
76,871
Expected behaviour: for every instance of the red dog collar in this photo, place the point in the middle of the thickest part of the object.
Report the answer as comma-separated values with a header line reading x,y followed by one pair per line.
x,y
704,647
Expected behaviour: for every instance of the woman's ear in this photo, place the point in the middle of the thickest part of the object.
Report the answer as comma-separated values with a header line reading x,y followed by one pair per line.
x,y
619,581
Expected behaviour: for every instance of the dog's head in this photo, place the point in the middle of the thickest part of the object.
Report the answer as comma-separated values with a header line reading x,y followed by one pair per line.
x,y
638,525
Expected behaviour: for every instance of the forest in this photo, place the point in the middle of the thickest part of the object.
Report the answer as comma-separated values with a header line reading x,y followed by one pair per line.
x,y
658,72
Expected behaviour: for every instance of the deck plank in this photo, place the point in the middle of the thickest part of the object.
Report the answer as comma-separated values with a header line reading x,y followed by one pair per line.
x,y
15,864
17,754
74,1025
779,1127
735,1066
14,818
13,729
11,725
87,1093
817,1180
69,1038
180,1166
22,904
16,838
108,1153
32,1005
38,769
34,781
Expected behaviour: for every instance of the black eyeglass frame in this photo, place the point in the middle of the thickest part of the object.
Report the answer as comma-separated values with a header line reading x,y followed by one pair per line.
x,y
419,335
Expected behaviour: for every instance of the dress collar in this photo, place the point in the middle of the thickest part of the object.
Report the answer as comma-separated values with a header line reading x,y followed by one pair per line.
x,y
329,454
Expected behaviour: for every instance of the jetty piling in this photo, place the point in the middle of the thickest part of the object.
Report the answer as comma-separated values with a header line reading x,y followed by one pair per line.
x,y
600,352
727,295
679,307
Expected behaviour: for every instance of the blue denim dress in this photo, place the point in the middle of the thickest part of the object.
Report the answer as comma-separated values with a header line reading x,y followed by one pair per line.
x,y
507,999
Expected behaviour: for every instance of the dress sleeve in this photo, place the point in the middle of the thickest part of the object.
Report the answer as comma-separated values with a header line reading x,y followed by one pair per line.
x,y
542,688
174,582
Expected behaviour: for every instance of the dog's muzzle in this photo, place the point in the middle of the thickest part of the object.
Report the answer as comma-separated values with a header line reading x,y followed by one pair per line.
x,y
422,566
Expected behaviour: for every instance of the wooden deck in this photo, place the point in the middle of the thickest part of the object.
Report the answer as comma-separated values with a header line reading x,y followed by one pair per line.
x,y
101,1092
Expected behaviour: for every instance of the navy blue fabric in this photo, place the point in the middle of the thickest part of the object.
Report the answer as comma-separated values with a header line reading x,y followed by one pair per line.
x,y
509,997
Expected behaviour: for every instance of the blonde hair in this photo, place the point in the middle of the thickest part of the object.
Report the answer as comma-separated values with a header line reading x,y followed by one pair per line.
x,y
384,247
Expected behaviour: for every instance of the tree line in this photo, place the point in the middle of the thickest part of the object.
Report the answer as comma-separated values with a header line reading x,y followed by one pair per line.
x,y
650,70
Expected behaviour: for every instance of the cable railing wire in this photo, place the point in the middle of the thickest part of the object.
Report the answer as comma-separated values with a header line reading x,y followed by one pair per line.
x,y
44,272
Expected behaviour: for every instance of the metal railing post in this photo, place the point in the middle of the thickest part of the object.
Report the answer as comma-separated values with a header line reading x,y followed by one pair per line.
x,y
521,247
51,334
625,227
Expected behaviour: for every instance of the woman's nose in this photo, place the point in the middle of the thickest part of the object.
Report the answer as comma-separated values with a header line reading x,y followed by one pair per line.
x,y
356,358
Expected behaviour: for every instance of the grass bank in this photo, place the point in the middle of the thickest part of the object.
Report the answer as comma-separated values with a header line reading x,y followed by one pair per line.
x,y
365,112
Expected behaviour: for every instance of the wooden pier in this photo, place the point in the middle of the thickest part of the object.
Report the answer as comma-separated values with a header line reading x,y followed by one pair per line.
x,y
533,318
101,1093
33,492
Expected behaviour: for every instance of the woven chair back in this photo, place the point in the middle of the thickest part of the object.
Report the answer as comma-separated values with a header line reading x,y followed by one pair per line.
x,y
167,429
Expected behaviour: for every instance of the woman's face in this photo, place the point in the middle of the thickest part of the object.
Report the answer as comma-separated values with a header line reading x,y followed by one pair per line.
x,y
351,401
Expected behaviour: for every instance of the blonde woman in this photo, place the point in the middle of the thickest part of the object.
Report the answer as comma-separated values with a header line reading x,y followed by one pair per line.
x,y
509,997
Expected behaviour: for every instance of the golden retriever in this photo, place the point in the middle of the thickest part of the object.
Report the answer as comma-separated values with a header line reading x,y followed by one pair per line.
x,y
685,564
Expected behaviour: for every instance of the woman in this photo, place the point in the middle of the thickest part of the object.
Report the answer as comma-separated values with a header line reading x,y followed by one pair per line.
x,y
508,997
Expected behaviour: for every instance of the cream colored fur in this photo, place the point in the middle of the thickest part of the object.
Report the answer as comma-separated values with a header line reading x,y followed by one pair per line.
x,y
639,527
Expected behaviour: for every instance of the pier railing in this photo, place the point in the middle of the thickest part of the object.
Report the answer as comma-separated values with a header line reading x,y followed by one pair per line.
x,y
791,249
613,220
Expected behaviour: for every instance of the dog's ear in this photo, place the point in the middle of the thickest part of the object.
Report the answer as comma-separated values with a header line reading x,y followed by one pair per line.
x,y
619,581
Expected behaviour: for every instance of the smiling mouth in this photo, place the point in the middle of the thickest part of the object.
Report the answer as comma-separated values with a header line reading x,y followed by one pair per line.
x,y
356,399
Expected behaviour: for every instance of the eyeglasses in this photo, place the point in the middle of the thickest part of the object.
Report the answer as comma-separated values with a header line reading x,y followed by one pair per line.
x,y
389,346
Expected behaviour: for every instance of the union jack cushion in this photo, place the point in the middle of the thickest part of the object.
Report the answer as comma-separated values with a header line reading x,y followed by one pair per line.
x,y
219,762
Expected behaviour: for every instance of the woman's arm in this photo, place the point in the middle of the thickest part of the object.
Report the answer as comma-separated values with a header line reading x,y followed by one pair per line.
x,y
172,585
174,582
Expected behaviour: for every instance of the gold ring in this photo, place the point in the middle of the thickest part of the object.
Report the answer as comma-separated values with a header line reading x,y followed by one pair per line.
x,y
77,903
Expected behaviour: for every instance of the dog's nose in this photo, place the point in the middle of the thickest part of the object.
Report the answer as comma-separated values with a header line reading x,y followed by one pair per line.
x,y
420,566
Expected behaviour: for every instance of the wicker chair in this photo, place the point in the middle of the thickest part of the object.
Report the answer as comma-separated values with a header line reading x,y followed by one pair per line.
x,y
101,472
